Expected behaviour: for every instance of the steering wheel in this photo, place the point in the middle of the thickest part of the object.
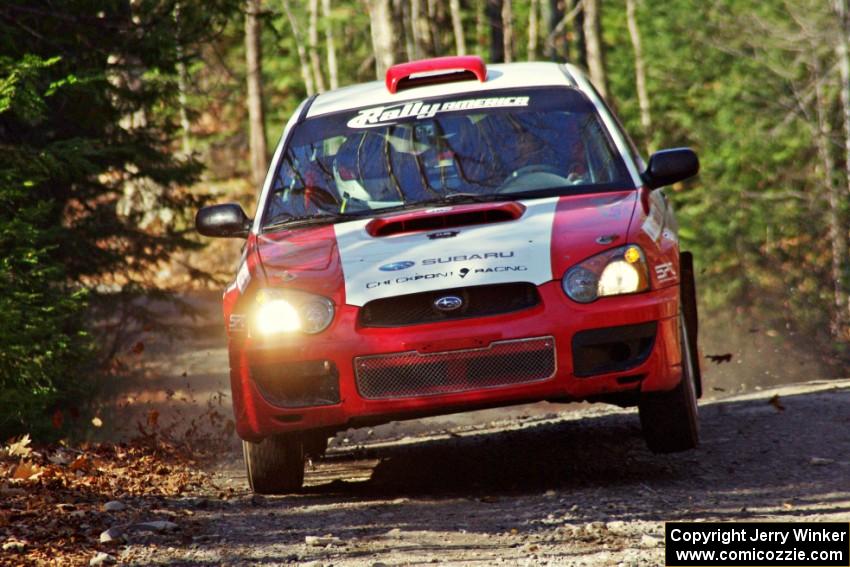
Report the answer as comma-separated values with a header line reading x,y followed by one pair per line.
x,y
534,168
531,177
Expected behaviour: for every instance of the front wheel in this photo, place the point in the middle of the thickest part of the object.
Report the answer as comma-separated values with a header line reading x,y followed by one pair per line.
x,y
275,465
670,420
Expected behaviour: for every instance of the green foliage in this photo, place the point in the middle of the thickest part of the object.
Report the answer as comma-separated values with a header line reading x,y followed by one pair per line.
x,y
41,337
91,191
733,79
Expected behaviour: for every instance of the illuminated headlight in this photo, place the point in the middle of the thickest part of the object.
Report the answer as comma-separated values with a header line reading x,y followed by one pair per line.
x,y
278,311
615,272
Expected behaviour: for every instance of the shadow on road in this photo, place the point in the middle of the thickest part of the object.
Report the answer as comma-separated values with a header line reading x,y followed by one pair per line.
x,y
752,453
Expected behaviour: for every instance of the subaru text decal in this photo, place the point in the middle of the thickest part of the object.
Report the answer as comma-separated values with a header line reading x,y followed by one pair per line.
x,y
384,115
467,258
396,266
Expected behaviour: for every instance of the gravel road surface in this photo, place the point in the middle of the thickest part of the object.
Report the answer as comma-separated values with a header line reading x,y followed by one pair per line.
x,y
541,485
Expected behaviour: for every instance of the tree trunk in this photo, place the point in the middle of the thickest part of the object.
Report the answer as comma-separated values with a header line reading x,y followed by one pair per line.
x,y
380,16
837,233
421,25
436,21
640,73
593,46
306,72
843,8
254,76
579,45
457,27
533,9
549,19
182,88
494,18
330,45
313,38
508,29
481,36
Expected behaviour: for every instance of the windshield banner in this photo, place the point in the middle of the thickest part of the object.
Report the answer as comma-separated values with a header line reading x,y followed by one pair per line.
x,y
384,115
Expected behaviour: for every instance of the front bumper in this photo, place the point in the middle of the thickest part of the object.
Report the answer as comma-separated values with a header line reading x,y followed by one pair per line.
x,y
339,399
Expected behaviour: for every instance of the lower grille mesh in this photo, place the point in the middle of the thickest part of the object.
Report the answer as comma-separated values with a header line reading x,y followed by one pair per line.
x,y
408,374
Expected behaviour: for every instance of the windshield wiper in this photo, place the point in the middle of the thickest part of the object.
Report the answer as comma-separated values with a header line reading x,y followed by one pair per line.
x,y
323,218
450,199
466,198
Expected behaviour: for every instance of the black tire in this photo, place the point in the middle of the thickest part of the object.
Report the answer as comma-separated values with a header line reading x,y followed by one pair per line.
x,y
690,311
275,465
670,420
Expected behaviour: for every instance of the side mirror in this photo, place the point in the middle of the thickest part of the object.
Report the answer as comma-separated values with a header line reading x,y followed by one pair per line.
x,y
227,221
669,166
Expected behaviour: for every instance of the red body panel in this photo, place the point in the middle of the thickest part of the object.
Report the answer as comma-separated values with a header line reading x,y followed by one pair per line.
x,y
584,225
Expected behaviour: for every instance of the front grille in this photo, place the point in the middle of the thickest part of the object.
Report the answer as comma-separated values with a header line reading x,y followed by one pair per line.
x,y
410,374
478,301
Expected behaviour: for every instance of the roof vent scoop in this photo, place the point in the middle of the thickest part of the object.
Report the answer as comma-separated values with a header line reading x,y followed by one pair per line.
x,y
436,70
445,218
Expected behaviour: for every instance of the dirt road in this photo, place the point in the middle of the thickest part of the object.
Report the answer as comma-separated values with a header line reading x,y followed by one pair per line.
x,y
570,488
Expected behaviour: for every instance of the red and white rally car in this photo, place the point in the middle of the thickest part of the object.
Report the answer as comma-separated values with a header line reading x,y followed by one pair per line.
x,y
458,237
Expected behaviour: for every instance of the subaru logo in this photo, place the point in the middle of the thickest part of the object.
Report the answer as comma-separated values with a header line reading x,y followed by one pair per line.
x,y
395,266
448,303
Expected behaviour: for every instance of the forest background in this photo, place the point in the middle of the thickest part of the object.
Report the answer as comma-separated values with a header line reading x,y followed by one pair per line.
x,y
118,118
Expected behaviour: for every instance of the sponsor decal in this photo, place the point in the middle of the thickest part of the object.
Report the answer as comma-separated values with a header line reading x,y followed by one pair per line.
x,y
396,266
496,269
466,258
652,227
448,303
665,271
480,254
443,234
385,115
237,323
409,279
243,276
669,235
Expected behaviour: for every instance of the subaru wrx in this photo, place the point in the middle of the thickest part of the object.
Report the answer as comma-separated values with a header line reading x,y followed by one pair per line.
x,y
457,237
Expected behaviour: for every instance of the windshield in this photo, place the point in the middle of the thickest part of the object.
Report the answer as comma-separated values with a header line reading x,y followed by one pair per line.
x,y
503,145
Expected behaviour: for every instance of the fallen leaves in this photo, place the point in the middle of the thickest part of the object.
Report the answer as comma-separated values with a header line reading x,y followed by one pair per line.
x,y
25,470
81,463
19,448
56,501
776,403
719,358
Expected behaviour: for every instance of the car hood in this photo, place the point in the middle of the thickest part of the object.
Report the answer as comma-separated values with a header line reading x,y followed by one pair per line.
x,y
532,240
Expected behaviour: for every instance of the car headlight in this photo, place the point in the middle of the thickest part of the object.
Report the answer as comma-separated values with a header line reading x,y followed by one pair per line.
x,y
287,311
615,272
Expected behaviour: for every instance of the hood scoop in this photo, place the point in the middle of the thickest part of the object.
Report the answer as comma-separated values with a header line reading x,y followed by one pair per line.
x,y
445,217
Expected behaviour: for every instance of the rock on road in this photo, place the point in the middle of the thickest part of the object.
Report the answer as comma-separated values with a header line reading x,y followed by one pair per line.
x,y
571,488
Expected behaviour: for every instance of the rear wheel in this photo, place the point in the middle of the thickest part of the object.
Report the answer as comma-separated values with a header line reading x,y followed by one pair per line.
x,y
670,420
275,465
